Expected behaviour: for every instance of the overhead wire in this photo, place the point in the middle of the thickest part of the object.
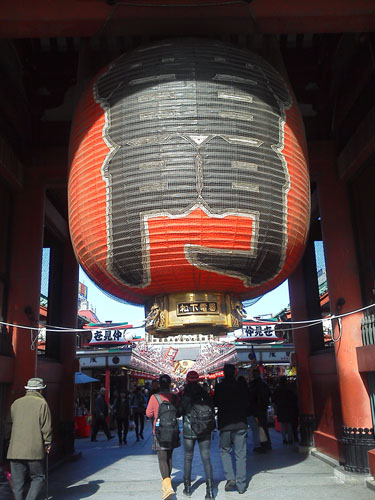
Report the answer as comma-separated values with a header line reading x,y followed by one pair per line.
x,y
141,323
62,329
308,321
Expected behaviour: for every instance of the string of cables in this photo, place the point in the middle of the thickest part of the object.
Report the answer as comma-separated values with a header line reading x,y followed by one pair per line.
x,y
63,329
313,322
141,323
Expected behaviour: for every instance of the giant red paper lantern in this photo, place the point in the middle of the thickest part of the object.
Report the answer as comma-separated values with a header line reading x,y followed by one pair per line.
x,y
188,173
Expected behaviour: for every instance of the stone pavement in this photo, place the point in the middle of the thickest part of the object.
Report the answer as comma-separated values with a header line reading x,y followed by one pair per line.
x,y
109,472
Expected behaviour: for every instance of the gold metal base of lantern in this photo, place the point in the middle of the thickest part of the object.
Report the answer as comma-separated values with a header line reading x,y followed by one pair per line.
x,y
193,313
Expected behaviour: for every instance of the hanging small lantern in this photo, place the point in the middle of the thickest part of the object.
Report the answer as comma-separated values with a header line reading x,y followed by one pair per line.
x,y
128,336
188,185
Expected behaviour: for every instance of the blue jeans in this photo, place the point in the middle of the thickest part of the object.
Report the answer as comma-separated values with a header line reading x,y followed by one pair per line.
x,y
21,470
235,440
255,430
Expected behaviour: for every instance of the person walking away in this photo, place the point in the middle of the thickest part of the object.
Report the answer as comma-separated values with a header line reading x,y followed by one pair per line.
x,y
286,405
292,385
251,418
5,489
260,396
30,440
208,389
154,389
137,406
100,415
196,408
231,400
121,410
162,407
251,421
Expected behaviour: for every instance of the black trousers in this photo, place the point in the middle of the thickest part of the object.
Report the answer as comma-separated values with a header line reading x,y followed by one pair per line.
x,y
165,462
100,423
204,448
139,420
122,428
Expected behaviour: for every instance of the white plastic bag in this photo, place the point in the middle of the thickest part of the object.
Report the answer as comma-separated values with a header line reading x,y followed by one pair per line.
x,y
262,435
131,425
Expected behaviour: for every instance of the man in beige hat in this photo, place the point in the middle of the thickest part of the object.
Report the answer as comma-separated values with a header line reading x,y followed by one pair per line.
x,y
30,440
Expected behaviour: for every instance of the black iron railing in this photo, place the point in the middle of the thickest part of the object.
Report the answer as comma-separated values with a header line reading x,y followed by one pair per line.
x,y
368,328
368,338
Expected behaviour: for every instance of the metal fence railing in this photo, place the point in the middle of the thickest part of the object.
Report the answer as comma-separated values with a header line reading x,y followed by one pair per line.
x,y
368,338
368,329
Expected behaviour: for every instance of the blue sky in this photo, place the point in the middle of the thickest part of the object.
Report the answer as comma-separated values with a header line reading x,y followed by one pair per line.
x,y
110,309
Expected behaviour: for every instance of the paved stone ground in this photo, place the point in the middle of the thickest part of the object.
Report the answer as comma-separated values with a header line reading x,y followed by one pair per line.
x,y
109,472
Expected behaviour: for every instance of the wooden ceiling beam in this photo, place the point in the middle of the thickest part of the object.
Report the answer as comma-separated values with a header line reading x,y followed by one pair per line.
x,y
86,18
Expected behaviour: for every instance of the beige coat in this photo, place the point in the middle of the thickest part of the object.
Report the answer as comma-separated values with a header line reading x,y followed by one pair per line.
x,y
31,427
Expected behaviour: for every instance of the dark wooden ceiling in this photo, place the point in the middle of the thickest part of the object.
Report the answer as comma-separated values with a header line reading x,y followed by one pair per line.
x,y
48,50
86,18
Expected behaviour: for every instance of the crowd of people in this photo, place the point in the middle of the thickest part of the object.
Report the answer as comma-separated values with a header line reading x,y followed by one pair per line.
x,y
233,406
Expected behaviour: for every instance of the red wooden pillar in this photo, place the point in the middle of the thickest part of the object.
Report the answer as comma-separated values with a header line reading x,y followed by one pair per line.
x,y
24,278
301,340
69,316
343,283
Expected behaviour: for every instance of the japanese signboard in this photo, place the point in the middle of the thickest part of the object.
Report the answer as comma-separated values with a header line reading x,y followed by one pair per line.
x,y
82,290
170,354
197,308
275,356
107,337
260,331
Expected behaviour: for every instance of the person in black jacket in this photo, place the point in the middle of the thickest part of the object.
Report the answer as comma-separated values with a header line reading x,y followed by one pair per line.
x,y
138,406
193,392
100,415
286,404
121,410
260,396
232,401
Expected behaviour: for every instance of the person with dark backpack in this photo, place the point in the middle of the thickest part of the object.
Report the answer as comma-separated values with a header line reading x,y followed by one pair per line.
x,y
162,407
196,408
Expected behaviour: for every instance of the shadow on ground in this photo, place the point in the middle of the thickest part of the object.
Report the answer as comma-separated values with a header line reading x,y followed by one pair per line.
x,y
107,467
81,491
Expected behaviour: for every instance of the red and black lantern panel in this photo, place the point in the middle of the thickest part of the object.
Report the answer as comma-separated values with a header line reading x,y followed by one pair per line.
x,y
188,173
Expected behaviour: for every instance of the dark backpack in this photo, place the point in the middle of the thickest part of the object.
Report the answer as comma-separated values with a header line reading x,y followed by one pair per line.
x,y
202,417
166,425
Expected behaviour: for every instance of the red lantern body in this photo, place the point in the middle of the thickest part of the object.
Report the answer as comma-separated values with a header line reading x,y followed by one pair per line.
x,y
188,173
